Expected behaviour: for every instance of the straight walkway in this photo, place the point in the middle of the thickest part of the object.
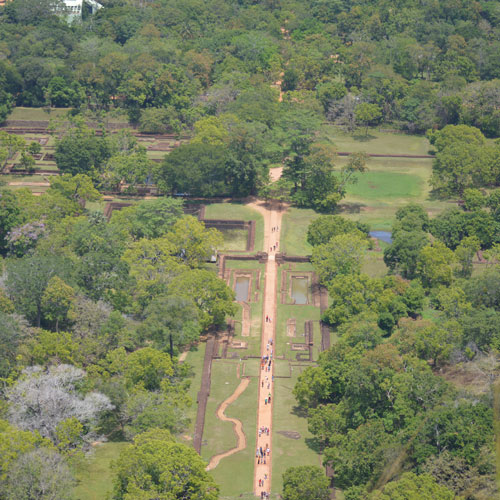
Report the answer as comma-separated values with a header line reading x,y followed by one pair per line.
x,y
272,214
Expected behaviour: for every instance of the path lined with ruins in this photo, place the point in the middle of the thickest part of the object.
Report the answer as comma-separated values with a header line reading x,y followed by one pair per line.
x,y
272,214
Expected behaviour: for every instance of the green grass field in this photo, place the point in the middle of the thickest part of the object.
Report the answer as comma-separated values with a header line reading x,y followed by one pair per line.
x,y
234,240
294,231
377,142
238,211
194,359
384,186
219,436
94,475
287,452
36,114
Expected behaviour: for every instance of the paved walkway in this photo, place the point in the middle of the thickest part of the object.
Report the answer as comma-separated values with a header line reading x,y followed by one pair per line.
x,y
272,227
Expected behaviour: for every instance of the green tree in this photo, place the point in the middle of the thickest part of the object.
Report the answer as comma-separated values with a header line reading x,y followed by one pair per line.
x,y
10,144
197,169
312,388
171,320
455,134
27,162
358,456
152,266
81,150
156,465
368,114
436,343
305,482
149,219
10,216
473,199
343,254
46,348
163,120
465,253
410,218
12,334
434,265
482,326
57,299
461,429
194,243
322,229
212,296
145,368
130,168
14,443
352,294
27,279
412,487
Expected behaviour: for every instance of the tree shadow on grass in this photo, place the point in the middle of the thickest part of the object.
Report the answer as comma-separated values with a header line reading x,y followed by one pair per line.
x,y
299,412
350,208
314,444
363,137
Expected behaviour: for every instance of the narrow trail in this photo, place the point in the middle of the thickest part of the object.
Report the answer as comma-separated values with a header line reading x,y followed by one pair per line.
x,y
237,425
272,213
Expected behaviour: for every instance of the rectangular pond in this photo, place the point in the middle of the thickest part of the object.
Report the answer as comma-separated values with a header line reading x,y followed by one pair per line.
x,y
241,288
299,290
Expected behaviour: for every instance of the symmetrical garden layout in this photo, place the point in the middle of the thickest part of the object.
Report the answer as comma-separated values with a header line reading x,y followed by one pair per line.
x,y
239,393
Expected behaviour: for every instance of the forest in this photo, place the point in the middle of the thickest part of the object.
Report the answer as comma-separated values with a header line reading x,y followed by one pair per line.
x,y
96,311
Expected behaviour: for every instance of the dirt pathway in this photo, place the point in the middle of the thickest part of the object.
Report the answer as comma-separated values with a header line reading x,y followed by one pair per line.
x,y
237,425
272,213
275,173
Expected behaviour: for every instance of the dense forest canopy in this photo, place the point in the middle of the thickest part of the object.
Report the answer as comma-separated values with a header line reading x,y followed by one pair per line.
x,y
95,310
167,63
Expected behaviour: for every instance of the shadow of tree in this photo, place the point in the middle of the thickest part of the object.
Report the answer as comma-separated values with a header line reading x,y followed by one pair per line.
x,y
314,444
351,207
299,412
363,137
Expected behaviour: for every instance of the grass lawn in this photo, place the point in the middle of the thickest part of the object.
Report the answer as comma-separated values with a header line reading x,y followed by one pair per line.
x,y
36,114
383,186
234,240
237,211
287,452
219,436
389,184
194,359
94,476
374,265
294,231
377,142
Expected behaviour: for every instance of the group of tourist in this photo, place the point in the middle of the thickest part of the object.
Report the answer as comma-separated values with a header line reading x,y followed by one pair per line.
x,y
262,454
265,363
264,431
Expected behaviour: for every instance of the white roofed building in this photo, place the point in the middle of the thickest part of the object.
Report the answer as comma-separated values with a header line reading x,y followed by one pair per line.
x,y
73,9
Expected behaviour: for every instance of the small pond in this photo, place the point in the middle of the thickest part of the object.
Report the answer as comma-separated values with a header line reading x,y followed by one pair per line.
x,y
382,235
299,290
242,286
